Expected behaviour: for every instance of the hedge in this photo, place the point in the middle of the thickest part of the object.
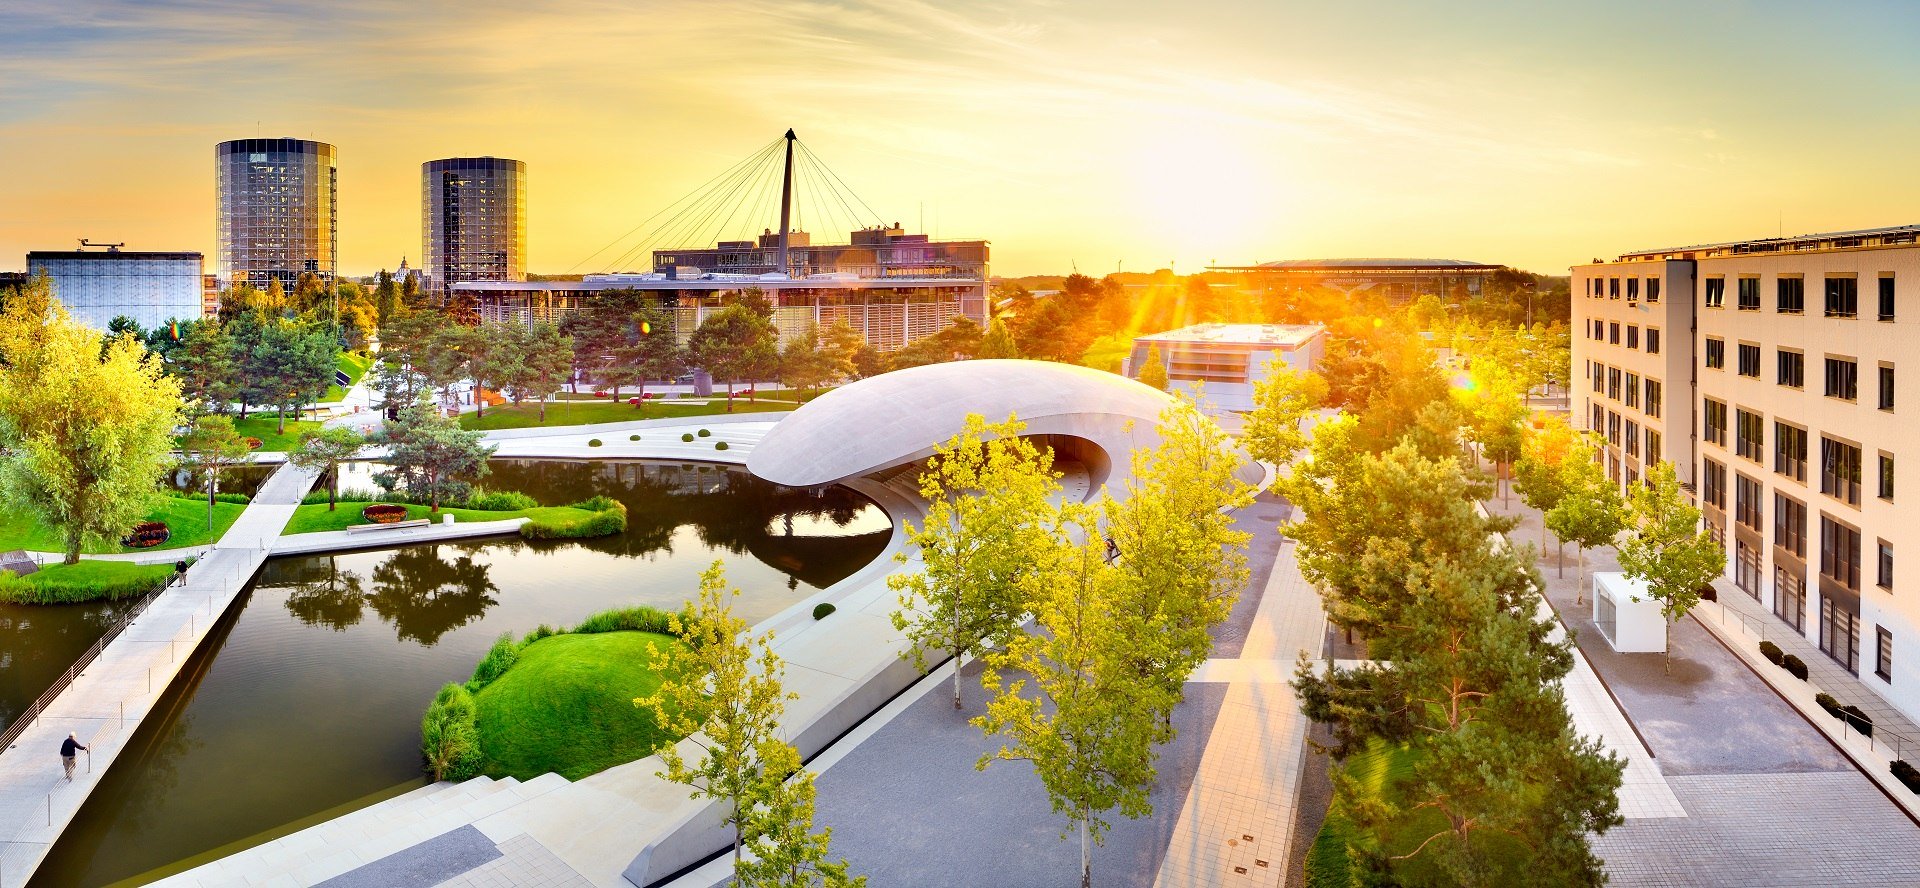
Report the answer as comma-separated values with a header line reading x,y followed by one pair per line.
x,y
449,741
90,580
1795,665
609,517
821,610
1907,774
1772,652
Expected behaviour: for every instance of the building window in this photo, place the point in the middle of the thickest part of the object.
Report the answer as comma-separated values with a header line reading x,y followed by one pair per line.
x,y
1613,383
1790,524
1886,476
1840,553
1749,294
1793,368
1653,446
1883,654
1653,340
1843,297
1715,292
1653,398
1748,431
1633,289
1840,471
1716,354
1792,295
1746,501
1883,566
1632,435
1886,297
1653,290
1886,387
1613,428
1613,288
1713,484
1746,568
1749,360
1843,379
1599,379
1840,634
1633,337
1790,451
1633,390
1790,597
1613,333
1713,419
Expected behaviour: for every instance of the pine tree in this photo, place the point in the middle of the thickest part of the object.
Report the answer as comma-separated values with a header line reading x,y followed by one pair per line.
x,y
324,450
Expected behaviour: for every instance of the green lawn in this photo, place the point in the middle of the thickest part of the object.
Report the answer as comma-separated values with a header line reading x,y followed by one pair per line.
x,y
566,706
265,425
570,413
315,517
355,366
1107,352
1329,864
186,518
86,581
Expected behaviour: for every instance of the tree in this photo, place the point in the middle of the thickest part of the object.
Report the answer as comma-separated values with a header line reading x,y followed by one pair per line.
x,y
431,456
204,363
803,364
1590,512
1282,402
839,347
1153,371
733,344
987,491
651,351
723,694
87,431
324,450
1085,718
1667,548
998,342
1540,473
211,446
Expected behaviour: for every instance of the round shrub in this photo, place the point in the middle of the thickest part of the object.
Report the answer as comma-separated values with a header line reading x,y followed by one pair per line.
x,y
633,437
704,433
594,443
1772,652
821,610
720,445
687,438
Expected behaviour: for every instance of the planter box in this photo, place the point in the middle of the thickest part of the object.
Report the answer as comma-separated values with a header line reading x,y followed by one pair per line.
x,y
384,513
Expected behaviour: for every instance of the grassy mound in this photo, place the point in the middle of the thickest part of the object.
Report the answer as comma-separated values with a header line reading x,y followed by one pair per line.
x,y
566,706
570,413
86,581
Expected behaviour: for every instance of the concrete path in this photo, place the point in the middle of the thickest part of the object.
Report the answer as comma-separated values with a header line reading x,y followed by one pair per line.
x,y
105,704
344,541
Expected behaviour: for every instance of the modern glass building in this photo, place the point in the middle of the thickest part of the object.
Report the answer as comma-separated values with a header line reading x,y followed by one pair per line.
x,y
473,221
276,211
96,287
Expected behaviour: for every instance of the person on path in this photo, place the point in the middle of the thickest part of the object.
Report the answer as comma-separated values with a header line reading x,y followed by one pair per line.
x,y
67,749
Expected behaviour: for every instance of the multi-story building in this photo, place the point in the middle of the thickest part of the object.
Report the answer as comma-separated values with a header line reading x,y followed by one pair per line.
x,y
871,253
276,211
1778,365
100,285
1228,359
473,221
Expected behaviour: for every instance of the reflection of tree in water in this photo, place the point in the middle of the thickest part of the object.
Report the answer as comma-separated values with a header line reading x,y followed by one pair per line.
x,y
426,596
333,600
144,798
39,641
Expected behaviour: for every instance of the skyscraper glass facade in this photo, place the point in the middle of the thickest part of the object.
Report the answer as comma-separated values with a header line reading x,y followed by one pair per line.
x,y
473,221
276,211
96,287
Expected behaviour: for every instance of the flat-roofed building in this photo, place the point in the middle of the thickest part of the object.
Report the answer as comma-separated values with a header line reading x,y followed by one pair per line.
x,y
1229,358
1778,362
1399,280
97,286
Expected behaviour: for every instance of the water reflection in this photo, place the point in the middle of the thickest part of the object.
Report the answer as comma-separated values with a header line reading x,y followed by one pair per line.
x,y
39,641
426,596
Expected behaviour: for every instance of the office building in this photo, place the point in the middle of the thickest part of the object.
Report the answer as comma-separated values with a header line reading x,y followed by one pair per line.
x,y
473,221
97,286
276,211
1228,359
1767,372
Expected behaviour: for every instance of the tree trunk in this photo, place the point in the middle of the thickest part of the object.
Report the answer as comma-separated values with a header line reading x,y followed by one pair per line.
x,y
1086,852
1560,564
1666,654
957,650
73,544
479,402
282,414
729,396
213,481
1580,575
333,488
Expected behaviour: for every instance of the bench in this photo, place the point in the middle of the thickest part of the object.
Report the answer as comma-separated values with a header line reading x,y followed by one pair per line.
x,y
417,522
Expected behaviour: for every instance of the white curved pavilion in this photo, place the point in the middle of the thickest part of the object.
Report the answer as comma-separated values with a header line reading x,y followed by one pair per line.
x,y
898,418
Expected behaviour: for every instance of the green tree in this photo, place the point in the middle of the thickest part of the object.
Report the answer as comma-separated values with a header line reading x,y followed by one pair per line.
x,y
1084,716
987,491
1667,548
803,363
1153,371
1590,512
1540,473
734,344
211,446
86,431
432,457
839,346
787,853
998,342
545,365
1282,403
324,450
203,361
651,351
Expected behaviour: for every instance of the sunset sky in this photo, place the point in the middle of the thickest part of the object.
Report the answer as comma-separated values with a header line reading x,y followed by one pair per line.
x,y
1070,134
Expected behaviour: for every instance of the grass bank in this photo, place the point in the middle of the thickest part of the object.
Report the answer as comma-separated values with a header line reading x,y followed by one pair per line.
x,y
86,581
572,413
355,365
186,518
314,518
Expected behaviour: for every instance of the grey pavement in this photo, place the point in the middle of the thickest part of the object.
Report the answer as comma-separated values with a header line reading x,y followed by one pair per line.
x,y
424,865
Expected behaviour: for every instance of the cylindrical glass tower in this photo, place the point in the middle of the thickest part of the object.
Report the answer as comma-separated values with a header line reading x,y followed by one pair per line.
x,y
473,221
276,211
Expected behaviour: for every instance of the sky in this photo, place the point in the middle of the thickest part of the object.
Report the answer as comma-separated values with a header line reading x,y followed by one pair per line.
x,y
1089,136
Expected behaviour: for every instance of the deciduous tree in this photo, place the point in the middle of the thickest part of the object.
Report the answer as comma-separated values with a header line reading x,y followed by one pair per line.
x,y
1153,370
1590,512
324,450
211,447
1667,548
1282,403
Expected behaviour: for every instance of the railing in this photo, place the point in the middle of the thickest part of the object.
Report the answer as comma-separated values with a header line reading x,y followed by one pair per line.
x,y
32,713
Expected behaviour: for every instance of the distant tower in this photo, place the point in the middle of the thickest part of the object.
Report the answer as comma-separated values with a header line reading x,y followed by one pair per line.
x,y
473,221
276,211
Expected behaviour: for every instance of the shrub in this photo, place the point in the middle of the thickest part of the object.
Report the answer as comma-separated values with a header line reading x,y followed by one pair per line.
x,y
347,495
449,741
1857,719
821,610
688,437
594,443
1907,774
500,501
541,631
1772,652
240,498
627,619
704,433
609,517
1794,665
1826,701
633,437
720,445
498,660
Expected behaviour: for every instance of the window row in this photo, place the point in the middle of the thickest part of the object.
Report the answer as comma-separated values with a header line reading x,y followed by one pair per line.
x,y
1609,333
1842,375
1840,292
1646,395
1841,463
1612,288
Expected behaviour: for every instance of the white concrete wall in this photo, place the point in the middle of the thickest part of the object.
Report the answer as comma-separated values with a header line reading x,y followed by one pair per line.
x,y
1638,626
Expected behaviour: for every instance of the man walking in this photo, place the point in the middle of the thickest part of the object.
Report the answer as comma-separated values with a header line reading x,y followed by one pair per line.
x,y
67,749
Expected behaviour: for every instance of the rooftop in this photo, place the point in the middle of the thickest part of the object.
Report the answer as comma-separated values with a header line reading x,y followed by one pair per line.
x,y
109,255
1286,335
1364,265
1891,236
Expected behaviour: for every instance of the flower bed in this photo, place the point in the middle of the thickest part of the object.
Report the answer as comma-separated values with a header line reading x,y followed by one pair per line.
x,y
384,513
147,534
254,443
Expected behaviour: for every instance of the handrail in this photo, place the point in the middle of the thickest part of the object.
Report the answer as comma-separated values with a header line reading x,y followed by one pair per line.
x,y
86,658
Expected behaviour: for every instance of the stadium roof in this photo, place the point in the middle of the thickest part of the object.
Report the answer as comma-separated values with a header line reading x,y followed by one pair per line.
x,y
1350,265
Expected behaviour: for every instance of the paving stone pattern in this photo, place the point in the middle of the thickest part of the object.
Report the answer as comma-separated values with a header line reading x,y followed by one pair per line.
x,y
423,865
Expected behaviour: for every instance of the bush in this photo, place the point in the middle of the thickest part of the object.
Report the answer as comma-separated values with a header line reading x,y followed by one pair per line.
x,y
720,445
541,631
1856,719
688,437
498,660
1907,774
633,437
449,741
594,443
609,517
1794,665
1772,652
627,619
821,610
1826,701
347,495
704,433
500,501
